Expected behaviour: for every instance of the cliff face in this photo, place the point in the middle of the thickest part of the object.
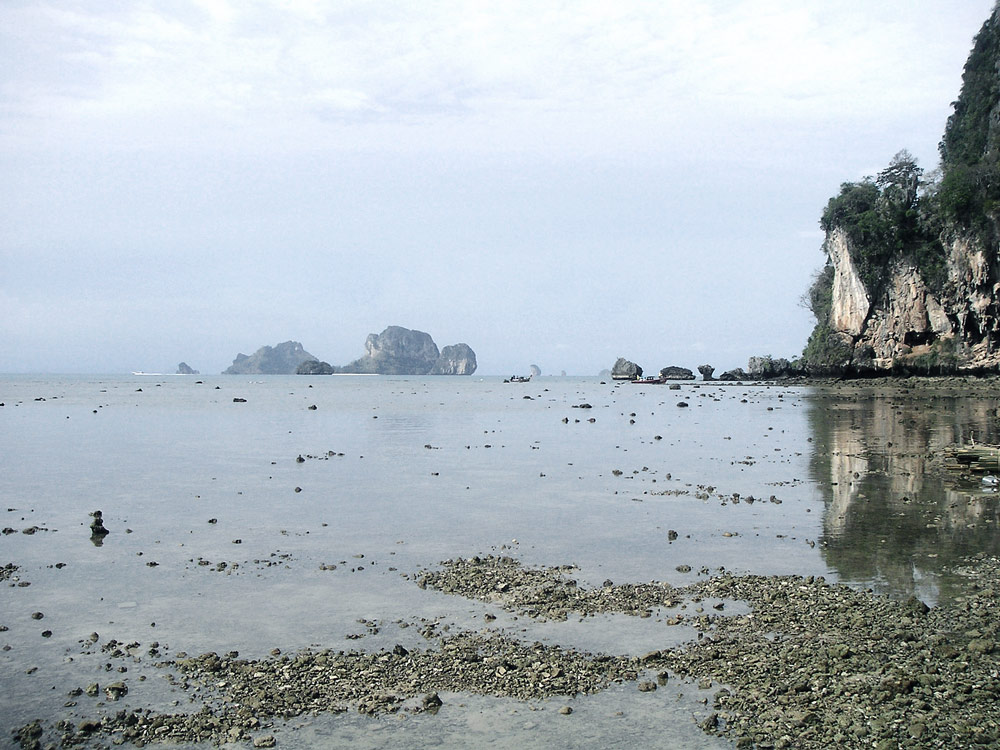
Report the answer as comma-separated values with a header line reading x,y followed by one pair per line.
x,y
909,327
458,359
850,298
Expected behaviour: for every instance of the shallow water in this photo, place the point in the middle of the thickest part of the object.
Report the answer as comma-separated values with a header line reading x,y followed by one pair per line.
x,y
401,473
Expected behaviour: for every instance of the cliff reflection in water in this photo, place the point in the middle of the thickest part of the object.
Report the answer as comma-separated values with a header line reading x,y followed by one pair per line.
x,y
894,517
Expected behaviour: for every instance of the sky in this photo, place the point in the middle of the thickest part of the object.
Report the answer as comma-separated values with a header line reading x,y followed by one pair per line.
x,y
551,183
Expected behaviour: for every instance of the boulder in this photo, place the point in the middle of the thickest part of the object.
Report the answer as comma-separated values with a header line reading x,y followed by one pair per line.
x,y
733,375
769,368
676,373
625,370
706,371
97,525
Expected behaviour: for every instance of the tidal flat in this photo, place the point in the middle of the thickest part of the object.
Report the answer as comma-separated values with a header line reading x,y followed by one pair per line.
x,y
433,562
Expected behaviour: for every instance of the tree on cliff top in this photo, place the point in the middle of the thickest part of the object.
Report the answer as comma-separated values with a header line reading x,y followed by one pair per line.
x,y
885,218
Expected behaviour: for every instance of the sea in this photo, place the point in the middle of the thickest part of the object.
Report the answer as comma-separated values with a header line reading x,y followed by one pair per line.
x,y
252,513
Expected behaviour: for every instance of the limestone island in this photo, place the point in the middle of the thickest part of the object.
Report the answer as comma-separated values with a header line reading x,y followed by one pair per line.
x,y
401,351
395,351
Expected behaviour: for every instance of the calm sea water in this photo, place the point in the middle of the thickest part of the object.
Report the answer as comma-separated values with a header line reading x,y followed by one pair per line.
x,y
401,473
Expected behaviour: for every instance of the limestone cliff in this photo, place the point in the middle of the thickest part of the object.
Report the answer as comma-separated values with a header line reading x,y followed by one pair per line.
x,y
909,327
908,321
457,359
850,298
401,351
912,277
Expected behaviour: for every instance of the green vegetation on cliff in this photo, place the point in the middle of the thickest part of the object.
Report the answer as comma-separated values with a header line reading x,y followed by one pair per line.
x,y
886,218
902,216
969,193
824,347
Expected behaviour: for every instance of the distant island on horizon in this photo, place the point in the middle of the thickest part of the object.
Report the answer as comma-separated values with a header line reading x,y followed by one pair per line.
x,y
910,284
395,351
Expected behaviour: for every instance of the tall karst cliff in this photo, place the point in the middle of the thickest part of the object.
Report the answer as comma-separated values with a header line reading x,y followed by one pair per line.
x,y
912,277
400,351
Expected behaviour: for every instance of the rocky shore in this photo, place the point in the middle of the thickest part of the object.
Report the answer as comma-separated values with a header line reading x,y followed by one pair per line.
x,y
810,665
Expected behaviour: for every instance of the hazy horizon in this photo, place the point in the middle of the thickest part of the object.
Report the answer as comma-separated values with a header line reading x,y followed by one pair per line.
x,y
557,184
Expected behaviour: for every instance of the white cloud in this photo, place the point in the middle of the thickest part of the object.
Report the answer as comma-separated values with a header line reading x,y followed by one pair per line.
x,y
620,66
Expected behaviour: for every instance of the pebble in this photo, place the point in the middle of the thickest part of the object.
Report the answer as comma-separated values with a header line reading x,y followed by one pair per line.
x,y
810,665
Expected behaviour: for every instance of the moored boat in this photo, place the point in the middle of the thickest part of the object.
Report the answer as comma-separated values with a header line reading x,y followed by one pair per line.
x,y
649,380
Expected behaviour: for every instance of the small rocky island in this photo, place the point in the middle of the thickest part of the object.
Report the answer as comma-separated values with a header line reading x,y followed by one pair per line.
x,y
281,359
627,370
624,369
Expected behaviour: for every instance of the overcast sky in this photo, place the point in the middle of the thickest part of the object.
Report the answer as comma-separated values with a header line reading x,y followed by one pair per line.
x,y
552,183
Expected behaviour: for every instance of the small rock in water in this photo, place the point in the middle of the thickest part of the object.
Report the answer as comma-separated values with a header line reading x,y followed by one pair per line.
x,y
115,690
97,526
432,702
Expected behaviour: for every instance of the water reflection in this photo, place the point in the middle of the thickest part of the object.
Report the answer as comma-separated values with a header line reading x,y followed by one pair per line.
x,y
894,517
